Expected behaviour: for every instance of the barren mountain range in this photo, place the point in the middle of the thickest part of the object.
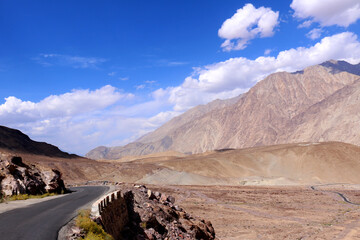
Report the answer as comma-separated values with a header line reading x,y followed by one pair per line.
x,y
320,103
281,164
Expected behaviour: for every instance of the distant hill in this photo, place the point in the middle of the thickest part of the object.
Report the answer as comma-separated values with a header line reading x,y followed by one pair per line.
x,y
15,141
282,164
319,103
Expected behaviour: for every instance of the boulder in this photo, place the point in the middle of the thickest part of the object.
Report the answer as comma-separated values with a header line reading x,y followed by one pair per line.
x,y
20,178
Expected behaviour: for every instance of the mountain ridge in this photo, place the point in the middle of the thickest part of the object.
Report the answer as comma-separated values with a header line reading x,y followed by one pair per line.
x,y
255,118
15,141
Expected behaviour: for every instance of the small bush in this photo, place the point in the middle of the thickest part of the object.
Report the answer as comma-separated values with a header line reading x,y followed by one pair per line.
x,y
92,230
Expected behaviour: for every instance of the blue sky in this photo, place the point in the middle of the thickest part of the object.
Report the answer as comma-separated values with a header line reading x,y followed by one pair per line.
x,y
80,74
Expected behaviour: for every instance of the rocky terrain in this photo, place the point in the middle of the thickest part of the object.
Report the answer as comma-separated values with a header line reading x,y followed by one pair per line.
x,y
16,177
282,108
15,141
273,212
152,215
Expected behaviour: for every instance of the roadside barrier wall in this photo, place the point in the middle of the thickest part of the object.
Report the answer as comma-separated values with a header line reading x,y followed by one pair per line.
x,y
113,213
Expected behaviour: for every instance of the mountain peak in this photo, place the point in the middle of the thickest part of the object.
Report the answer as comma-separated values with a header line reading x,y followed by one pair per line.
x,y
337,66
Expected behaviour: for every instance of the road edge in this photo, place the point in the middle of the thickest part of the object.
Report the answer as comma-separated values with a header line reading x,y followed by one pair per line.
x,y
65,230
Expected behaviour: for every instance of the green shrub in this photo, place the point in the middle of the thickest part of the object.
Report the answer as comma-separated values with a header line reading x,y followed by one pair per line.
x,y
92,230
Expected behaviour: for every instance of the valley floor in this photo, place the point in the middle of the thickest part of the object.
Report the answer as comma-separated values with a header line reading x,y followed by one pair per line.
x,y
261,212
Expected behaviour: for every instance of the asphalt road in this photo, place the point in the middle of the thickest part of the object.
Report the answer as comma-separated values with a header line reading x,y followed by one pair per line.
x,y
42,221
344,198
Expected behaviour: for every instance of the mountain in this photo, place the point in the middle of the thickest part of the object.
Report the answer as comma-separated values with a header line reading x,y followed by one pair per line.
x,y
336,117
159,138
15,141
277,109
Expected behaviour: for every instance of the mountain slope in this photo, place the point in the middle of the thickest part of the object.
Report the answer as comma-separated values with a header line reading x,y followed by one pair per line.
x,y
259,117
159,139
15,141
277,164
336,117
297,163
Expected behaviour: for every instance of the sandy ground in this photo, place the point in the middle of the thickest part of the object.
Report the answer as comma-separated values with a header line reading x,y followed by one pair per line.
x,y
259,212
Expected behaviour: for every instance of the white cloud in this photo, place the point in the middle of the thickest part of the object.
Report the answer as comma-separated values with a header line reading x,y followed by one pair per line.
x,y
314,34
327,13
305,24
76,102
138,87
246,24
150,82
267,51
105,124
67,60
111,74
236,75
124,78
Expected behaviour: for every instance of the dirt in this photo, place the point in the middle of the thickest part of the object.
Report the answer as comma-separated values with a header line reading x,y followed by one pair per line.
x,y
291,212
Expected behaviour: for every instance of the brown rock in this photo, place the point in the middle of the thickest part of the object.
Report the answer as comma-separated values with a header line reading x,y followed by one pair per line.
x,y
20,178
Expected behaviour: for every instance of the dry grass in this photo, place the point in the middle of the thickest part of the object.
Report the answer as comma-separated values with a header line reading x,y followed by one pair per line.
x,y
25,197
92,230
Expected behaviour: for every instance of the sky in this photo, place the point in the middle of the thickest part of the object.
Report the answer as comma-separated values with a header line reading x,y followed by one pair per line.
x,y
81,74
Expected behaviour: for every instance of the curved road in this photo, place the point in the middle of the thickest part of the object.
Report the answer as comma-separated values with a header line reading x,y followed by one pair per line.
x,y
344,198
42,221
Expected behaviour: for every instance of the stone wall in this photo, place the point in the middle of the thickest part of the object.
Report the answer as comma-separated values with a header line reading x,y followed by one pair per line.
x,y
113,213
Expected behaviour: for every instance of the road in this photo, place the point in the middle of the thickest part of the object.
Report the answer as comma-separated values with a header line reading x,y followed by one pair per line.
x,y
42,221
343,197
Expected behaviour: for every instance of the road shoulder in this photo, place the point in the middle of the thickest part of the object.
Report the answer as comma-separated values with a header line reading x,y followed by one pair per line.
x,y
10,205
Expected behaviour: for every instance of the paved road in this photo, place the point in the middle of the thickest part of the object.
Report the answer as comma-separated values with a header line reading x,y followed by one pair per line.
x,y
344,198
42,221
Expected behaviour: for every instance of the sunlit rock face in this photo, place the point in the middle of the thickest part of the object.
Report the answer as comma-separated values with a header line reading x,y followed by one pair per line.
x,y
17,177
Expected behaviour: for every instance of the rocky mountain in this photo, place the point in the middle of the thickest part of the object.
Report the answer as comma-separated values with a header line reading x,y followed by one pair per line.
x,y
336,117
15,141
159,138
282,108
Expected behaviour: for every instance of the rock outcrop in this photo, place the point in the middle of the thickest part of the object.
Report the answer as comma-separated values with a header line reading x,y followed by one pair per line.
x,y
144,214
16,177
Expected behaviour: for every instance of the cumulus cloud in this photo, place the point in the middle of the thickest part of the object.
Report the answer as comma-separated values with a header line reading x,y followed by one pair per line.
x,y
246,24
315,33
76,102
67,60
327,13
234,76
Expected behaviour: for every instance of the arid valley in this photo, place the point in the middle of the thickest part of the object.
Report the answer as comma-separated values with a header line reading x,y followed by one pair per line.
x,y
180,120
